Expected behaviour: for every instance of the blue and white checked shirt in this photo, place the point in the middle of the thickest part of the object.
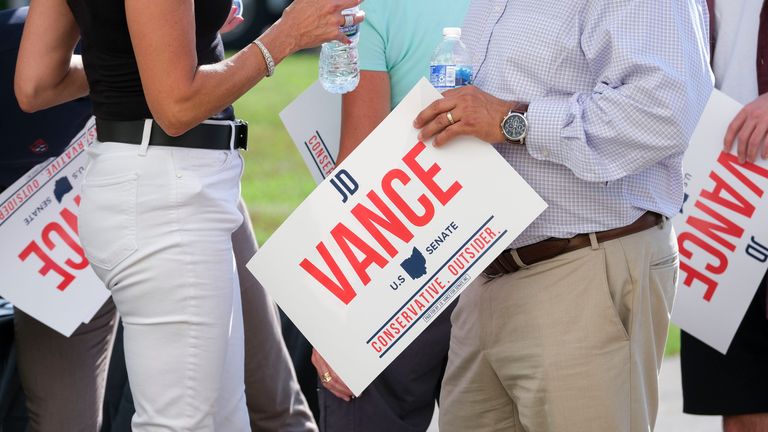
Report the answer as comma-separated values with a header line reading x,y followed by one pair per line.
x,y
615,87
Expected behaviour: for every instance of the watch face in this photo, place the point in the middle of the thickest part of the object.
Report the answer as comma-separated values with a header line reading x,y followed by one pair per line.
x,y
515,127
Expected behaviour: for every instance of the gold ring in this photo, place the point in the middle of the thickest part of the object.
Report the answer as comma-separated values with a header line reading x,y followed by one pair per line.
x,y
450,117
326,378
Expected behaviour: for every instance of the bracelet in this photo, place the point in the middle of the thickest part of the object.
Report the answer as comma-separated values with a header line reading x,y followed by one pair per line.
x,y
267,57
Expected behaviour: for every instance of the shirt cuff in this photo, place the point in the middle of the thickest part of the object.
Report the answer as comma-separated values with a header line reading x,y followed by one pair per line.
x,y
548,119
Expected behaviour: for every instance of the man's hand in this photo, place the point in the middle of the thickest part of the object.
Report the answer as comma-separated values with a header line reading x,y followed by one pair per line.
x,y
232,21
473,111
750,129
335,385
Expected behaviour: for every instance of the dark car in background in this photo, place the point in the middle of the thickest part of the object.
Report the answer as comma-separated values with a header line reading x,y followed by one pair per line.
x,y
258,14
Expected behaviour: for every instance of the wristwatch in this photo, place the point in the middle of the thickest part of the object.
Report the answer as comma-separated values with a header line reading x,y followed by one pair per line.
x,y
515,127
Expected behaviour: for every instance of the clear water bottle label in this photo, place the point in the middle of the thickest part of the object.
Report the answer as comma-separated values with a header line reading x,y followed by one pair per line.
x,y
449,76
442,76
352,30
463,76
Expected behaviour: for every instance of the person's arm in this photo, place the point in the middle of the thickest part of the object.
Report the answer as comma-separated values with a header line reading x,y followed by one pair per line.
x,y
181,94
47,73
650,61
362,110
750,129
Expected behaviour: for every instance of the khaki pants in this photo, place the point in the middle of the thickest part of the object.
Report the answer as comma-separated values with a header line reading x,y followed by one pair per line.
x,y
570,344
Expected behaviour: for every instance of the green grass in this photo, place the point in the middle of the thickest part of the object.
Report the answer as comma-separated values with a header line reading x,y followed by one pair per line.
x,y
276,180
673,341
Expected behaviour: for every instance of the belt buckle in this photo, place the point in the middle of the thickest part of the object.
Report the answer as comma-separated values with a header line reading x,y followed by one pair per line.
x,y
241,134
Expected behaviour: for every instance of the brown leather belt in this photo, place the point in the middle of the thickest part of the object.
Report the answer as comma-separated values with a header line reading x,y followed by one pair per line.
x,y
550,248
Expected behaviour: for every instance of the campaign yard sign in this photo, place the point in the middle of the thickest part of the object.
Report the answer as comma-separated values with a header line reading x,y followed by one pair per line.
x,y
391,238
313,121
722,231
44,268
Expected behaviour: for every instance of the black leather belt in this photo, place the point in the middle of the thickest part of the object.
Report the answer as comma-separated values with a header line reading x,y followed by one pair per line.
x,y
203,136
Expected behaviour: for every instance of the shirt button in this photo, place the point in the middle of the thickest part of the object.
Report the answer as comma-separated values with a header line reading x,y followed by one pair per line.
x,y
178,175
545,153
497,9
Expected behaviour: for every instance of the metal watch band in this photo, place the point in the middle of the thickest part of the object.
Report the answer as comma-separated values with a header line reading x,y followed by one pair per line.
x,y
267,57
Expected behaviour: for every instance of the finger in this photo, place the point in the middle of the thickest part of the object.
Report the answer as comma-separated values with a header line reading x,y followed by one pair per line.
x,y
359,17
338,394
756,141
743,140
433,110
765,148
341,37
320,364
336,385
436,126
340,5
338,388
733,129
455,92
448,135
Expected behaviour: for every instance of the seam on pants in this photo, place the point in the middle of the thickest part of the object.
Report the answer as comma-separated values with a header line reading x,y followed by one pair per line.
x,y
189,373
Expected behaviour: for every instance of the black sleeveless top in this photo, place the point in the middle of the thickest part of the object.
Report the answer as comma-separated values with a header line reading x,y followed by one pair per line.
x,y
110,63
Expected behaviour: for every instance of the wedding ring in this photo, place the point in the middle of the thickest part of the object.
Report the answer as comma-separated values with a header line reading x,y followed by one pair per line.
x,y
349,20
450,117
326,378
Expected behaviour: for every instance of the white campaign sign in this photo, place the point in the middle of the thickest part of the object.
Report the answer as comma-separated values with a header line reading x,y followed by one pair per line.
x,y
390,239
43,266
313,121
722,233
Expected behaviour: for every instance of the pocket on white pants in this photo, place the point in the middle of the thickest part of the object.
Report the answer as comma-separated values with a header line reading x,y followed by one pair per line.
x,y
107,221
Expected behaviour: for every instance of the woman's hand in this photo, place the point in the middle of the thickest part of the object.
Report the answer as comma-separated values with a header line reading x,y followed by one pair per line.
x,y
313,22
330,380
233,20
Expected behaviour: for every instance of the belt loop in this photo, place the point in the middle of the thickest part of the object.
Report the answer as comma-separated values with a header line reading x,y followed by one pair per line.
x,y
516,258
593,241
663,222
232,135
145,137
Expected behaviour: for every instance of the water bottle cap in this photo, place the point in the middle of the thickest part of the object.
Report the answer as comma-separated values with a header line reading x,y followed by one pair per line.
x,y
452,31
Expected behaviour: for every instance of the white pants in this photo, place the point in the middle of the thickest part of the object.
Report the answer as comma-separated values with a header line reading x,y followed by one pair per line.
x,y
156,224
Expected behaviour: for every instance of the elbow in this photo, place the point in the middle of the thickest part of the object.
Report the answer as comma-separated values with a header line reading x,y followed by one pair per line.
x,y
27,96
172,122
172,127
174,117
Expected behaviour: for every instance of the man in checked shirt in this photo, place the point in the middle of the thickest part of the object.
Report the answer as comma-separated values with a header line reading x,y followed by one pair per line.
x,y
593,102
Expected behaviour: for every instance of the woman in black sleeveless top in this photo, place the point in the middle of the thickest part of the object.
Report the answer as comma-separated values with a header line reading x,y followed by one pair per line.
x,y
160,192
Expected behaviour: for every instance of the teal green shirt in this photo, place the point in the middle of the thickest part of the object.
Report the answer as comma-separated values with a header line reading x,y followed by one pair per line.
x,y
399,37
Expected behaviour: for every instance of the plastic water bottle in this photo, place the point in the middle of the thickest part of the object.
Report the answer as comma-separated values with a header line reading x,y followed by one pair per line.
x,y
339,69
451,64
